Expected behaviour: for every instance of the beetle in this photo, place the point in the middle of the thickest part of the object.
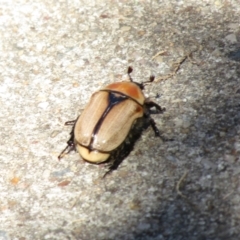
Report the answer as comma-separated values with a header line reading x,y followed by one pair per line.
x,y
108,118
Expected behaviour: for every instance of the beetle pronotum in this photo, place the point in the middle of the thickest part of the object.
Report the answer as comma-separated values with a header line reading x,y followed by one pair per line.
x,y
108,118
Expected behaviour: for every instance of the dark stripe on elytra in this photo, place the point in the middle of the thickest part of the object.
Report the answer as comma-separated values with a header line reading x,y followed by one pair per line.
x,y
112,101
117,92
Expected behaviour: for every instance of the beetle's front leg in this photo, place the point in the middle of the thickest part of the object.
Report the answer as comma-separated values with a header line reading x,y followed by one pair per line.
x,y
149,104
154,127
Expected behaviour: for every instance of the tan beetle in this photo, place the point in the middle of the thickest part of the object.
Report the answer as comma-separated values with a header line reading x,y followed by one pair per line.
x,y
108,118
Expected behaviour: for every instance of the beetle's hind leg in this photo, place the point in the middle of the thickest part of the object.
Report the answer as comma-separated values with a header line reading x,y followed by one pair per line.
x,y
70,143
70,146
70,122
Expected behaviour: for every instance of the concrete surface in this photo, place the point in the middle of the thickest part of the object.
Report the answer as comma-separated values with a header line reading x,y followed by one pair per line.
x,y
55,54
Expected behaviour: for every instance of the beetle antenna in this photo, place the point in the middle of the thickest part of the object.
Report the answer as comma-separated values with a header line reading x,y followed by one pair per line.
x,y
130,69
151,79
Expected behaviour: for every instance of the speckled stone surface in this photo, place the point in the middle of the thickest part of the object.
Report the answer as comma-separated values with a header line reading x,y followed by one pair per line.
x,y
55,54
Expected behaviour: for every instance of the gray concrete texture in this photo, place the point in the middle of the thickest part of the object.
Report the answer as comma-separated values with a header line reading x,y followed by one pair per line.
x,y
55,54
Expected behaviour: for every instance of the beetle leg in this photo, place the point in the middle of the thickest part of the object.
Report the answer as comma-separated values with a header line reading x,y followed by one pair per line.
x,y
151,120
157,132
149,104
112,167
70,122
154,127
70,147
70,143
